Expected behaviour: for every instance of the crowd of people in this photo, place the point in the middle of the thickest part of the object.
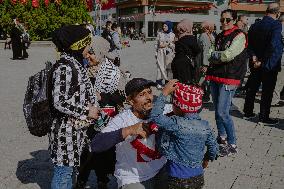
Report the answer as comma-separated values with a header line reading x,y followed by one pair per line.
x,y
115,125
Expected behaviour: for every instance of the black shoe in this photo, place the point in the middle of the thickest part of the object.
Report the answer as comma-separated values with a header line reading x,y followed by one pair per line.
x,y
228,150
221,141
249,116
268,121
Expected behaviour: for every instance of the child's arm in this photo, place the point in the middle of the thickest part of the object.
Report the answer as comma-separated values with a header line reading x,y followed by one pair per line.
x,y
165,122
159,118
212,146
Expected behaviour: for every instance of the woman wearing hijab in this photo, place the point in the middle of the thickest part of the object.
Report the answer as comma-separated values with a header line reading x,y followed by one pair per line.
x,y
105,77
74,102
165,52
206,41
187,48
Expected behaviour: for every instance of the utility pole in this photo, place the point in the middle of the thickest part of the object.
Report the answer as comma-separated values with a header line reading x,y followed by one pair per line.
x,y
153,13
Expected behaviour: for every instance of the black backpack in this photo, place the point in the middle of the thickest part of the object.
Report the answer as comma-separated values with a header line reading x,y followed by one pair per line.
x,y
38,104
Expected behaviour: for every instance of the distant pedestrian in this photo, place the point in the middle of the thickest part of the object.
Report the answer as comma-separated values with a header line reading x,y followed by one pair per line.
x,y
16,40
165,52
206,41
115,45
7,42
186,51
266,48
107,32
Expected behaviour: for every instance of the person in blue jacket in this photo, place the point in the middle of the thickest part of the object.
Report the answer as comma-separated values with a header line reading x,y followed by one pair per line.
x,y
265,48
183,137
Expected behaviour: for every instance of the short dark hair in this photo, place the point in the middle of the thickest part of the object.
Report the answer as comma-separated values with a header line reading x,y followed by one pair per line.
x,y
232,12
108,23
273,10
114,26
240,17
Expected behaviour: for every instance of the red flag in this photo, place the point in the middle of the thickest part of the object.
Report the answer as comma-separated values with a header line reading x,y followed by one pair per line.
x,y
90,5
58,2
35,3
23,2
46,2
13,2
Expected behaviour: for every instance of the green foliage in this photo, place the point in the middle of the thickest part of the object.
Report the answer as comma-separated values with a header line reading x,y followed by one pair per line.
x,y
43,20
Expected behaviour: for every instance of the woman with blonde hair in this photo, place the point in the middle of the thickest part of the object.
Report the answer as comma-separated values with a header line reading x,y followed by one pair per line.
x,y
206,41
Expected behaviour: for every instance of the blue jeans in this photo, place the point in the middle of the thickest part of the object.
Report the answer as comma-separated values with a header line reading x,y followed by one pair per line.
x,y
62,177
222,98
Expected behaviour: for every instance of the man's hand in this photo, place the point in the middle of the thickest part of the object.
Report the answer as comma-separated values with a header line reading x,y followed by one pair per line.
x,y
93,112
170,87
256,64
204,69
136,129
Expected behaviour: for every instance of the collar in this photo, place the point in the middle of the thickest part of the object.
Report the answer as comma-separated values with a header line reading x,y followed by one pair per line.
x,y
227,32
268,18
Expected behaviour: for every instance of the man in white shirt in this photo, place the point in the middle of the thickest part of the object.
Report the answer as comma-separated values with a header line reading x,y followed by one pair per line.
x,y
139,165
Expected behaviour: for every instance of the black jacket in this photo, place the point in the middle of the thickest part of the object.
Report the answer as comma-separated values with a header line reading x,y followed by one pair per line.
x,y
264,41
183,65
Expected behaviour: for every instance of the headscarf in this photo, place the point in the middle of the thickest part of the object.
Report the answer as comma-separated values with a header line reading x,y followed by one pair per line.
x,y
184,28
170,26
208,25
101,47
72,38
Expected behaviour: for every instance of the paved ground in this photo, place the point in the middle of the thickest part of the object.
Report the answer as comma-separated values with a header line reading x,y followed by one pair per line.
x,y
25,161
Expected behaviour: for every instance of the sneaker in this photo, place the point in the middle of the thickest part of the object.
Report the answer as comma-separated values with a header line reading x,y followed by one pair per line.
x,y
228,150
249,116
268,121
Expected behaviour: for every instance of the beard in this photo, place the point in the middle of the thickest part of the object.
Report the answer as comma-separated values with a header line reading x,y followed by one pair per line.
x,y
145,113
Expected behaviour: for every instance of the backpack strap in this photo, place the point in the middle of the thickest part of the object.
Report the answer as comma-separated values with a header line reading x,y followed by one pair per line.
x,y
73,87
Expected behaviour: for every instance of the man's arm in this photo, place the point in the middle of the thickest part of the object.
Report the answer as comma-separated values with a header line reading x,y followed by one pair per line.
x,y
114,133
276,47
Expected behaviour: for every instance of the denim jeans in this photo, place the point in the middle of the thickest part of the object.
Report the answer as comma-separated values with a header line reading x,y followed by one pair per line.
x,y
222,98
62,177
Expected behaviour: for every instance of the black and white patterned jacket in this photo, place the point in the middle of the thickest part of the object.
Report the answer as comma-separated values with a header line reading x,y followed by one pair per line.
x,y
68,132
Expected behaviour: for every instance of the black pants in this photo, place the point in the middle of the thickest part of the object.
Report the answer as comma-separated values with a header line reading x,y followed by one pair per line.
x,y
103,164
190,183
268,80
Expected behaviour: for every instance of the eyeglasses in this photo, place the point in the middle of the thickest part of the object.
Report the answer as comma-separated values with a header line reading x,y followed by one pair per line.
x,y
222,20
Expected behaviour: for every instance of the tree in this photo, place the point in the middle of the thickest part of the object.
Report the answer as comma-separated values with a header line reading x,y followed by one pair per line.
x,y
42,17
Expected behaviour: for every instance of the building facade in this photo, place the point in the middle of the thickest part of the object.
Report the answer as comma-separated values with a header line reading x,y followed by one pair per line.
x,y
253,9
150,14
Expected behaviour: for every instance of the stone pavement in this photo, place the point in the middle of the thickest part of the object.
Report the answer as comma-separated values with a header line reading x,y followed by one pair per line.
x,y
24,158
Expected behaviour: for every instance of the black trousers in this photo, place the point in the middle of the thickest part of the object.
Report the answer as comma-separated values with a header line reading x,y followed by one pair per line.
x,y
268,80
103,164
196,182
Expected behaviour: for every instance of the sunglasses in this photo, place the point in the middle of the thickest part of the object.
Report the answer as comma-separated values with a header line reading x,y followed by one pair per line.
x,y
222,20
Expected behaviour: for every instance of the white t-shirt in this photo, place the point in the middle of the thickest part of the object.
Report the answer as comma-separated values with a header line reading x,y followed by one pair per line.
x,y
129,169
